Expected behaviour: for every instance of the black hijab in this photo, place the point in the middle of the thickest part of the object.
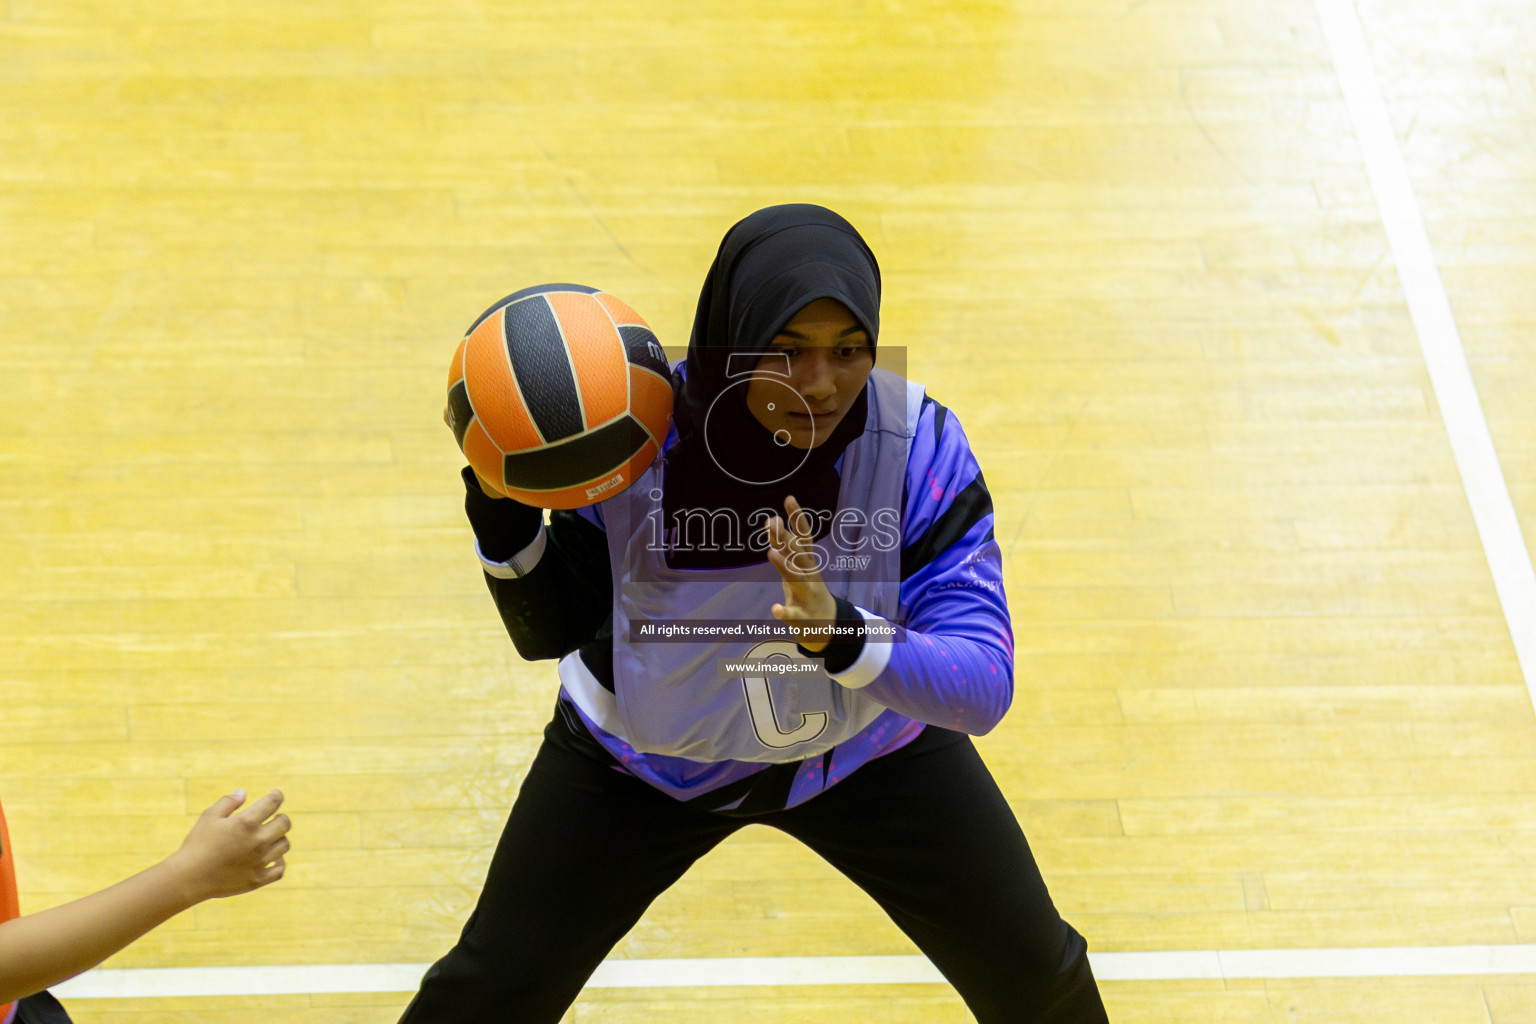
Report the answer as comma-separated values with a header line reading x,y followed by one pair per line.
x,y
770,266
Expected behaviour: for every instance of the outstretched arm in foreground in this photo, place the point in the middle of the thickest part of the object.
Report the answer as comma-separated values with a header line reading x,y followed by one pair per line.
x,y
225,854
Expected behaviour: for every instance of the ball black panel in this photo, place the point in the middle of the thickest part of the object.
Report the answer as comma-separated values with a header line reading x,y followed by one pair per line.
x,y
460,410
523,293
542,369
642,349
590,457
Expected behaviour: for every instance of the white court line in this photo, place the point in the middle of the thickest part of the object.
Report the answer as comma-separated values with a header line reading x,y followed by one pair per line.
x,y
1417,961
1471,444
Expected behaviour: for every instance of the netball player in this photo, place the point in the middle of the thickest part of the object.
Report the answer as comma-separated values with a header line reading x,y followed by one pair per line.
x,y
794,618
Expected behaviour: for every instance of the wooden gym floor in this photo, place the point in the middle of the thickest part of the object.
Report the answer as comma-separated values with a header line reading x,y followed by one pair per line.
x,y
1267,695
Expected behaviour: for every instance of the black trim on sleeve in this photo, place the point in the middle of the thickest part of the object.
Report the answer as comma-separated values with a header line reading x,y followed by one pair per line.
x,y
846,645
970,506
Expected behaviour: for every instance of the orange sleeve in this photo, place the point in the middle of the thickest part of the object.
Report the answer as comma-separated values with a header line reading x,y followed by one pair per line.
x,y
8,905
9,908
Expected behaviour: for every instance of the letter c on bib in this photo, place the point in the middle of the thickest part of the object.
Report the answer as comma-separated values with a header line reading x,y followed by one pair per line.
x,y
765,721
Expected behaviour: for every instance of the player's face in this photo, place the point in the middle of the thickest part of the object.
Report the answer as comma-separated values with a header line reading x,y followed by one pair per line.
x,y
818,363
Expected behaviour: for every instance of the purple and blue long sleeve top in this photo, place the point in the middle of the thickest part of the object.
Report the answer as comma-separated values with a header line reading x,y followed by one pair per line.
x,y
951,664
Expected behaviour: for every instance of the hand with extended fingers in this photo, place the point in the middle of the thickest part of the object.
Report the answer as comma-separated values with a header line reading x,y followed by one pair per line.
x,y
808,607
229,851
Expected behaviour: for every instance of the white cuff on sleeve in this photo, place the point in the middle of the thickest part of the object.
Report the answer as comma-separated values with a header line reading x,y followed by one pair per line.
x,y
520,564
871,660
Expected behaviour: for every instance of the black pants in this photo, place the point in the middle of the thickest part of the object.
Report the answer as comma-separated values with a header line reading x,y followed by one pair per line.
x,y
924,831
40,1009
